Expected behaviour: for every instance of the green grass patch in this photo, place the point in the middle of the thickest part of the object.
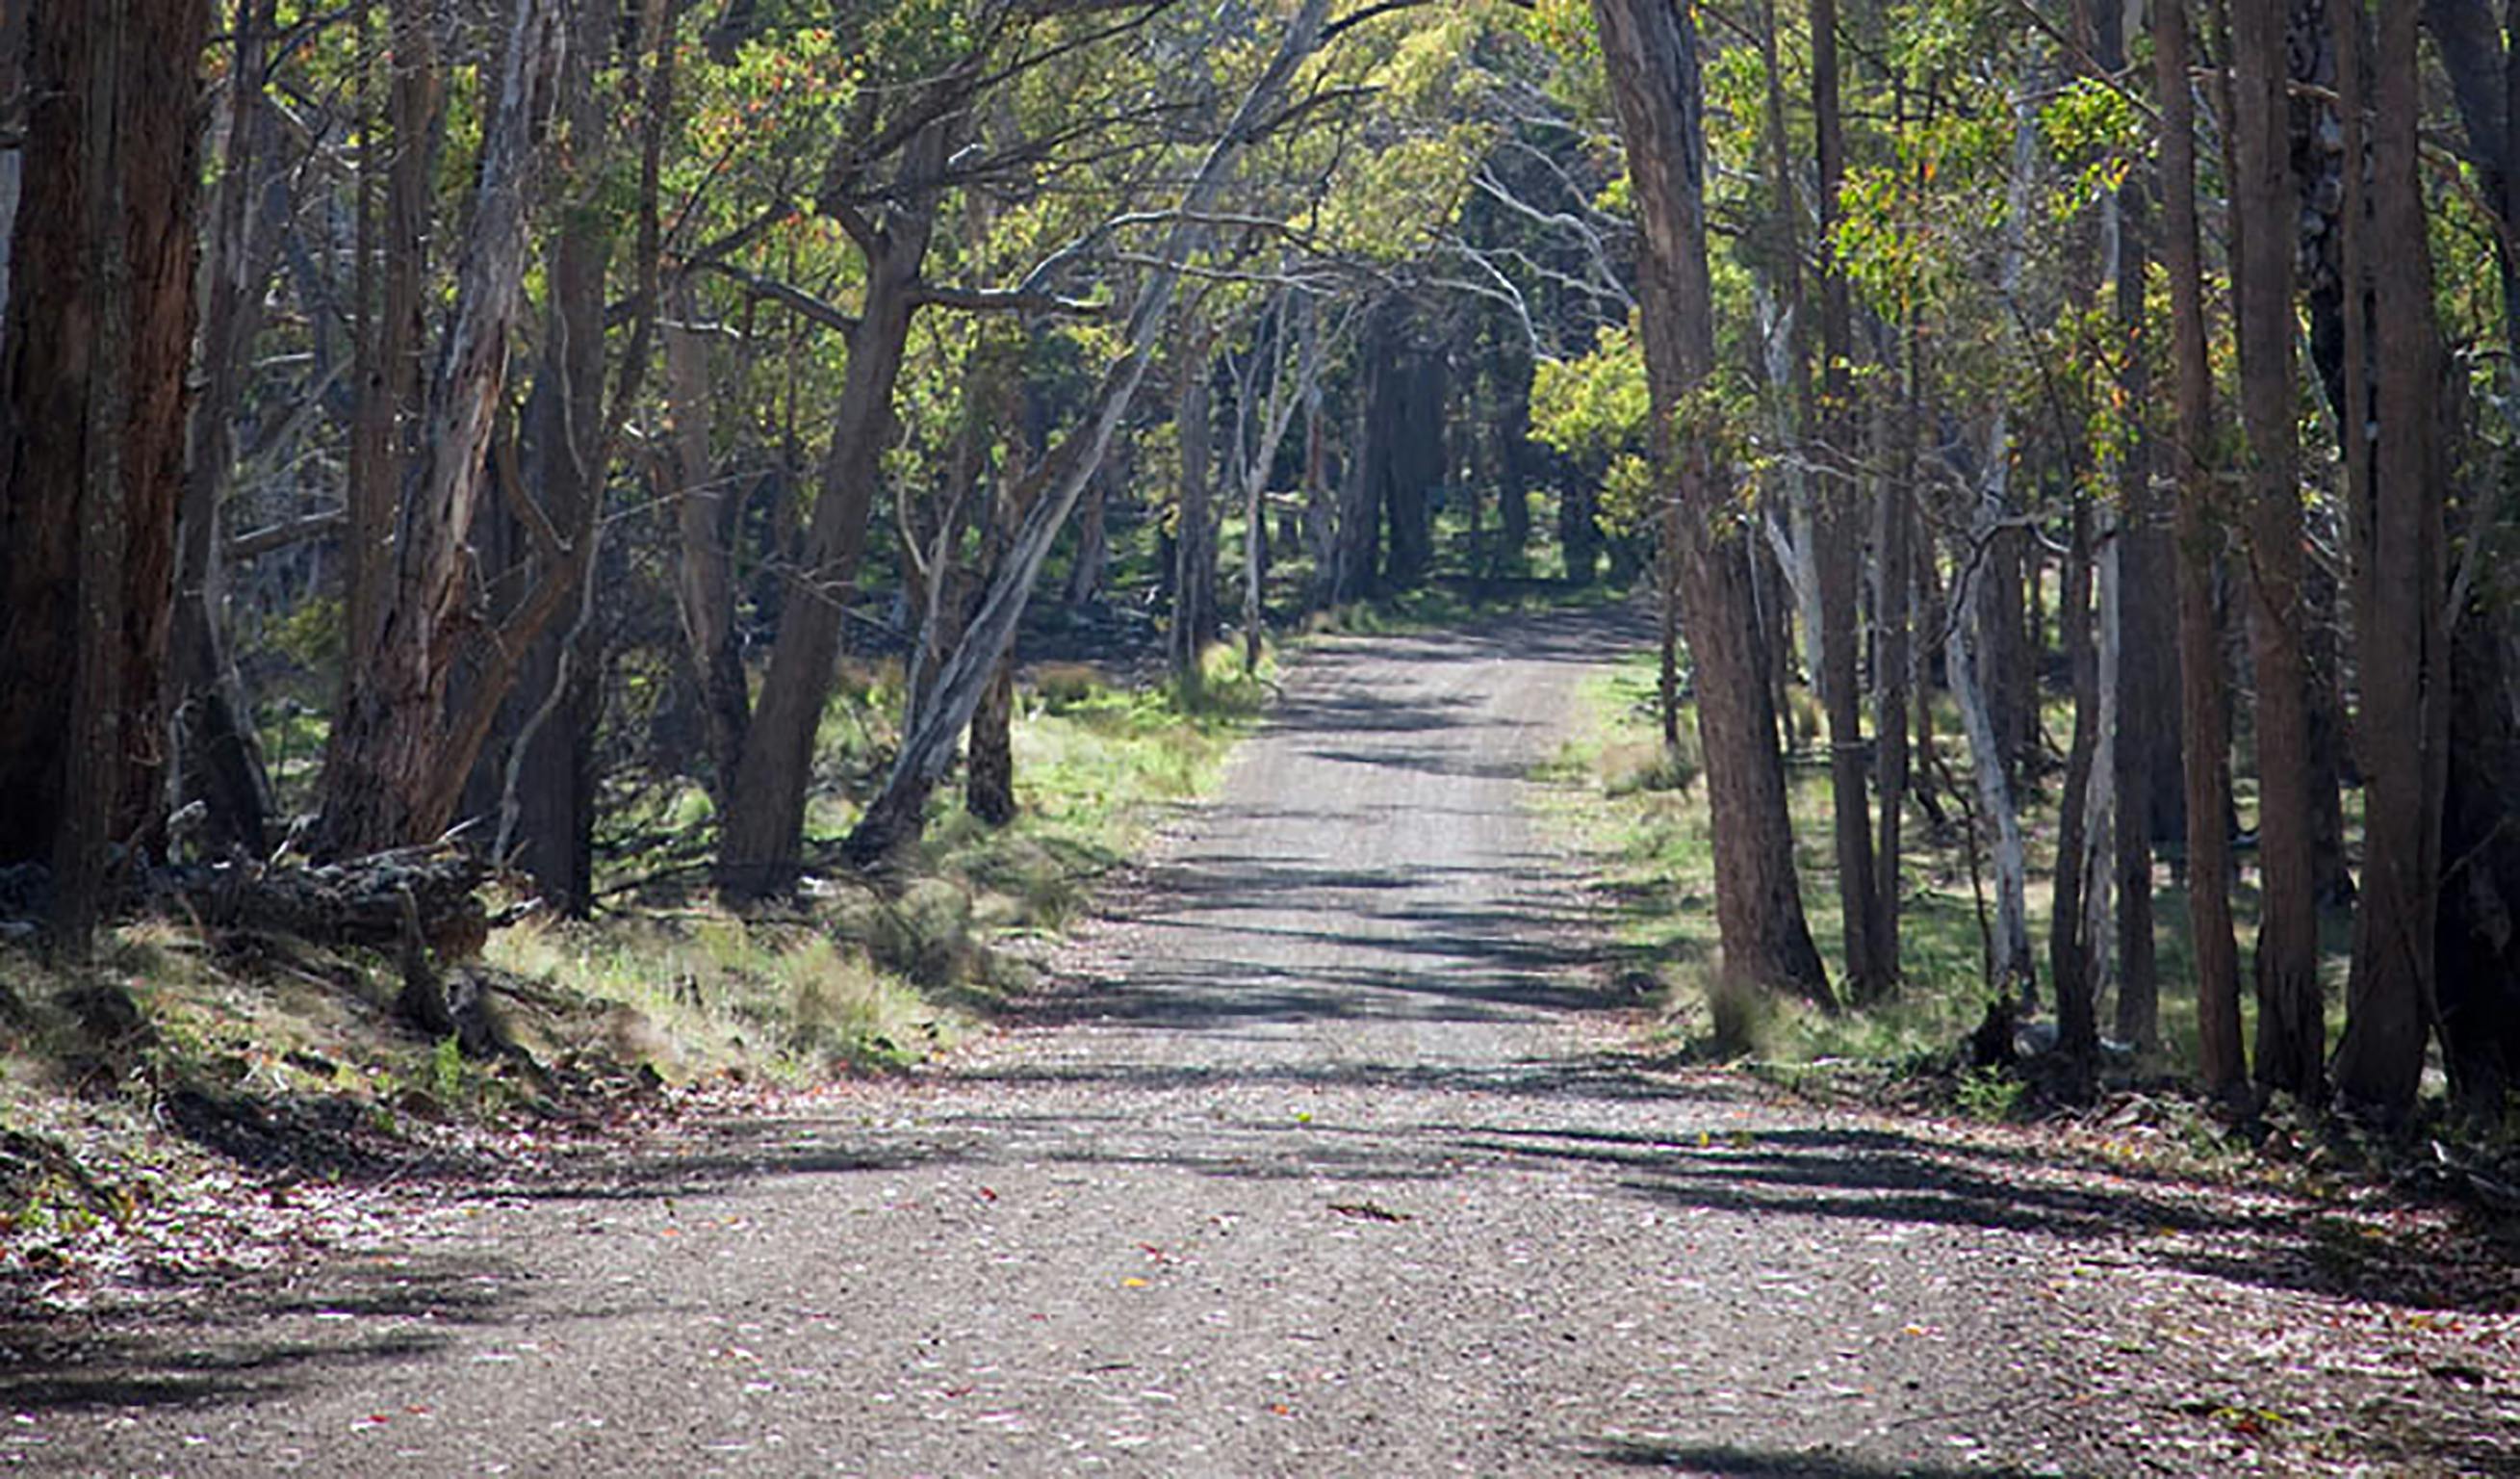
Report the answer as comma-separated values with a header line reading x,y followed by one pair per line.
x,y
1641,812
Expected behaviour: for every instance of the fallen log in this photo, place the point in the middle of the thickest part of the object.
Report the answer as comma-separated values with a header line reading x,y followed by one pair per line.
x,y
379,902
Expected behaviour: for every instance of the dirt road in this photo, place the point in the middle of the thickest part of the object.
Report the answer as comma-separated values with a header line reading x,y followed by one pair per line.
x,y
1327,1161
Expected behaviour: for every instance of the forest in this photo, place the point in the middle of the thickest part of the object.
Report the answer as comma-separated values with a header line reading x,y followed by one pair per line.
x,y
745,495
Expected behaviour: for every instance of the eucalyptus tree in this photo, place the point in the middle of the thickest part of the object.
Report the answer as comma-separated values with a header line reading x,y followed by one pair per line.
x,y
904,145
1654,71
2291,1039
396,766
98,332
946,705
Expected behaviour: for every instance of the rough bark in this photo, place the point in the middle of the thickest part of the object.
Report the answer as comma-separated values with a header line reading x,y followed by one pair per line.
x,y
394,770
1652,53
93,391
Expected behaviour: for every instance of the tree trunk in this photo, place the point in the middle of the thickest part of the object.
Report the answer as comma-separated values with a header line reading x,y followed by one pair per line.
x,y
1976,622
2291,1039
1652,52
2477,948
1092,542
1870,966
2203,718
762,841
1893,661
216,758
2143,675
99,336
386,780
989,770
1578,531
707,520
2070,943
392,374
1403,455
1193,622
2402,653
1512,371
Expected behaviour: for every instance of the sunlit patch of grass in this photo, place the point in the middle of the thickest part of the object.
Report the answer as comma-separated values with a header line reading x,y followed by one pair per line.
x,y
865,972
1658,861
706,991
1659,877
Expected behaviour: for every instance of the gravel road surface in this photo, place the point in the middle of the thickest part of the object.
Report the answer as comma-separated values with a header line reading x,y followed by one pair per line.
x,y
1327,1158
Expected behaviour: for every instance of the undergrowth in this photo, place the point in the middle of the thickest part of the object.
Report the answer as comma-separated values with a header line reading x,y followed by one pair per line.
x,y
1638,806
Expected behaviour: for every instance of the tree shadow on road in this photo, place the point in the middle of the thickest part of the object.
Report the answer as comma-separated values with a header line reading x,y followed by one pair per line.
x,y
1728,1461
250,1340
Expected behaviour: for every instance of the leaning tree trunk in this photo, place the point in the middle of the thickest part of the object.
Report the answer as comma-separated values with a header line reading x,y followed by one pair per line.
x,y
947,704
763,838
391,778
1653,51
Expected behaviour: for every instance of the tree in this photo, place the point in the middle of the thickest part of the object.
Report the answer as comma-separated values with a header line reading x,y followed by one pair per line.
x,y
396,767
1651,51
2291,1041
98,338
1867,907
946,705
2396,535
2220,1058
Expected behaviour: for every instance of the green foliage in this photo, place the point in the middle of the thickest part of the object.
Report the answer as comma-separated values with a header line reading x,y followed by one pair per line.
x,y
1988,1093
446,1069
1595,408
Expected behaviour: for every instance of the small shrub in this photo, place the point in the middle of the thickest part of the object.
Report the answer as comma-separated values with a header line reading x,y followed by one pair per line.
x,y
1988,1093
446,1069
1062,686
